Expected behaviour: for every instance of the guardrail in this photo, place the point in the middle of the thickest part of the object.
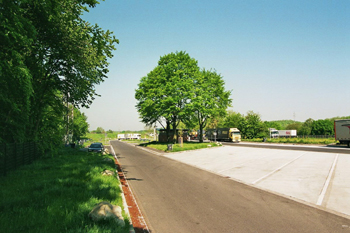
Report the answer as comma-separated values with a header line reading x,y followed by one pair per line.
x,y
15,155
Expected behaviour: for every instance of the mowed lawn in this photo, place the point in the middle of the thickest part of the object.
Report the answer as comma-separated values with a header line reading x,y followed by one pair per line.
x,y
57,192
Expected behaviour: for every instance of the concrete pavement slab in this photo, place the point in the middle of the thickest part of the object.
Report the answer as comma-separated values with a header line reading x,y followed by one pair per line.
x,y
318,178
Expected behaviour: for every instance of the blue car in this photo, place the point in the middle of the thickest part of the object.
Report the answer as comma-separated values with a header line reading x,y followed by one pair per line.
x,y
96,147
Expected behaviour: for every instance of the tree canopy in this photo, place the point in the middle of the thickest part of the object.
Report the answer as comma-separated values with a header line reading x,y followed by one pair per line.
x,y
178,91
49,56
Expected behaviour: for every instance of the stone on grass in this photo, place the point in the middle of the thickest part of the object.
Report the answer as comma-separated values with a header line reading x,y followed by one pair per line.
x,y
109,160
107,173
105,210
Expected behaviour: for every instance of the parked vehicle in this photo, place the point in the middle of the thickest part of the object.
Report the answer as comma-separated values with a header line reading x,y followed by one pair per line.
x,y
287,133
135,136
224,134
121,136
273,133
342,131
96,147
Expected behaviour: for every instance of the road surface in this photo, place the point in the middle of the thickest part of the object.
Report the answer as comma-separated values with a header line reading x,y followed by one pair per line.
x,y
175,197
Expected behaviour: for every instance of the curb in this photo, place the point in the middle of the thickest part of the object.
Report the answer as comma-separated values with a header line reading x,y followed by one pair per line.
x,y
137,220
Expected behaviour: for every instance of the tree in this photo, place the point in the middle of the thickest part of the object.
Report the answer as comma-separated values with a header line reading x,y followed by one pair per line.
x,y
273,124
209,99
80,125
232,120
253,127
49,56
100,130
296,125
16,36
164,95
322,127
305,129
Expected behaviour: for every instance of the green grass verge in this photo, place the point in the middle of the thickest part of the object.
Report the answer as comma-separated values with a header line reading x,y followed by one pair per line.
x,y
56,194
321,141
177,147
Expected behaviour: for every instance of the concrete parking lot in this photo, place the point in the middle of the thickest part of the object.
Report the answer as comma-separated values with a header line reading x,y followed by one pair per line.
x,y
317,178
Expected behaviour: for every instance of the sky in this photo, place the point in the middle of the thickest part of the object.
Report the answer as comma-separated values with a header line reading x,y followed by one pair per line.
x,y
286,60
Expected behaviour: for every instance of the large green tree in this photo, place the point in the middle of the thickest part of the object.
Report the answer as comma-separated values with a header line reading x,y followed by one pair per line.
x,y
164,95
209,99
50,57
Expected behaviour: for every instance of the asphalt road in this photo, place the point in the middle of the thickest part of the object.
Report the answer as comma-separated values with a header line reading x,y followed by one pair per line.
x,y
175,197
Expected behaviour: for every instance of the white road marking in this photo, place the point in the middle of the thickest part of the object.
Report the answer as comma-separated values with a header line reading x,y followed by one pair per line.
x,y
325,187
276,170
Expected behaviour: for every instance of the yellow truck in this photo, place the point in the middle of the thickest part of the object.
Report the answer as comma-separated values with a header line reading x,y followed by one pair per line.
x,y
224,134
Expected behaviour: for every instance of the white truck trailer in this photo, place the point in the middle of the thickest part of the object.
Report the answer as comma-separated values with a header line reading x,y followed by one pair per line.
x,y
287,133
342,131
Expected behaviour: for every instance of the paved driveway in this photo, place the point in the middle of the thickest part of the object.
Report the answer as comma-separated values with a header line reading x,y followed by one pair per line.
x,y
318,178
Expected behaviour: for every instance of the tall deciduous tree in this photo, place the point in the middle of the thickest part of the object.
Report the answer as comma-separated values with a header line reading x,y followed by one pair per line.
x,y
49,56
165,93
209,99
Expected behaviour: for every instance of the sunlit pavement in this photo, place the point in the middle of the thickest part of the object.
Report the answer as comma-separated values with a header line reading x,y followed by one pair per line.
x,y
318,178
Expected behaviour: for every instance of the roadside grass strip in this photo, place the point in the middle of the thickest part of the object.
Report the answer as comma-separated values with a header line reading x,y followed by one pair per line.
x,y
56,194
177,147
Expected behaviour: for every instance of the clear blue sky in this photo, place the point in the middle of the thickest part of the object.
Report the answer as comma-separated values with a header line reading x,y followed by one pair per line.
x,y
281,59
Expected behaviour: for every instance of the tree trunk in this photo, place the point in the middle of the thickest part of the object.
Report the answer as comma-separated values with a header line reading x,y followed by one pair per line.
x,y
174,129
201,132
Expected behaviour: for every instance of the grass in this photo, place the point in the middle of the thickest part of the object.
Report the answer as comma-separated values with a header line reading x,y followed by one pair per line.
x,y
177,147
322,141
56,194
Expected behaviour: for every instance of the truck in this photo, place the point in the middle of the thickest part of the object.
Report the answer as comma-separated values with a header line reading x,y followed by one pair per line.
x,y
121,136
287,133
342,131
224,134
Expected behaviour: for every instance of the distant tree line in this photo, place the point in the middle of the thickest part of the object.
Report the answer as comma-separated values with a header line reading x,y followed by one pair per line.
x,y
50,62
251,125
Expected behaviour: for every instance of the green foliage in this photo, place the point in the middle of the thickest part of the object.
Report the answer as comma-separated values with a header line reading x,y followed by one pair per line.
x,y
279,125
48,56
209,99
296,125
232,120
164,94
57,194
305,129
322,127
79,125
253,127
99,130
177,91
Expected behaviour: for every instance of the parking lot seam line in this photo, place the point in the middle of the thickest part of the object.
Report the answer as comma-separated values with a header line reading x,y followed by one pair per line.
x,y
238,165
276,170
325,187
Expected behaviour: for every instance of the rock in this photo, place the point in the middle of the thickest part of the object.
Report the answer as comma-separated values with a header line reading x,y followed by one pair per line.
x,y
105,210
107,173
106,152
109,160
